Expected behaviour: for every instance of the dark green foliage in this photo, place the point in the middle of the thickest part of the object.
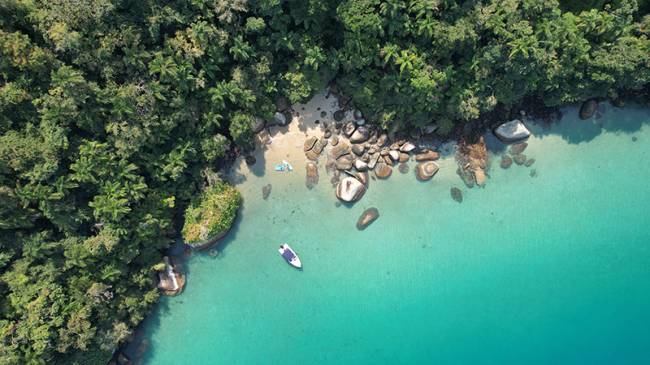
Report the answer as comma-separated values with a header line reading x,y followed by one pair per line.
x,y
111,110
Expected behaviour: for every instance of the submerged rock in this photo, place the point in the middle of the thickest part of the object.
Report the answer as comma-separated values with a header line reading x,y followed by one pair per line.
x,y
312,175
456,194
350,189
518,148
519,159
506,161
588,109
403,168
367,217
425,170
512,131
266,191
529,162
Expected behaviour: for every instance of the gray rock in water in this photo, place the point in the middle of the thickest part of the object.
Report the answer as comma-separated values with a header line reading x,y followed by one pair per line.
x,y
588,109
456,194
403,168
512,131
425,170
367,217
266,191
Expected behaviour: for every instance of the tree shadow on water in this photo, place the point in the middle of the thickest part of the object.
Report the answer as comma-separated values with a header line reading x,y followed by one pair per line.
x,y
608,118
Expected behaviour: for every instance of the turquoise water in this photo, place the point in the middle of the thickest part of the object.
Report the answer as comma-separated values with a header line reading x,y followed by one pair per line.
x,y
528,270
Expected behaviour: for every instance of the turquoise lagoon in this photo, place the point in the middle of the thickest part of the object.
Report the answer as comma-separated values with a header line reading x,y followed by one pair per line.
x,y
551,269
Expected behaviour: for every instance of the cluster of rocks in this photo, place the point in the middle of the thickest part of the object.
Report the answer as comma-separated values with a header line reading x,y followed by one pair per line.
x,y
516,154
358,148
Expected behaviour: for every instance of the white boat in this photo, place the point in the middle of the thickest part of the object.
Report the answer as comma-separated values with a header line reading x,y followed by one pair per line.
x,y
290,255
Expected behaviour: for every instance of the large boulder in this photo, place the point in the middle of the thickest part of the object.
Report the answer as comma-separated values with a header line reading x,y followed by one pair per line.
x,y
383,171
360,135
394,155
512,131
426,170
344,162
279,119
588,109
367,217
357,114
350,189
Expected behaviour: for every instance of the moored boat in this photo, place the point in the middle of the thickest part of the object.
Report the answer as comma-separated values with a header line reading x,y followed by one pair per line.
x,y
290,255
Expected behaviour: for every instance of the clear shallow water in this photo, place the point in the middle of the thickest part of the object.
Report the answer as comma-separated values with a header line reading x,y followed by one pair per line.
x,y
534,270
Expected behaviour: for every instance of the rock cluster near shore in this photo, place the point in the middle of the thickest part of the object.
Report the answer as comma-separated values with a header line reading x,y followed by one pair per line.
x,y
357,148
516,154
472,161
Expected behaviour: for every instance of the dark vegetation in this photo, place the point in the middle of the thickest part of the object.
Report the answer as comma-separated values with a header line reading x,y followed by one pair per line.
x,y
112,112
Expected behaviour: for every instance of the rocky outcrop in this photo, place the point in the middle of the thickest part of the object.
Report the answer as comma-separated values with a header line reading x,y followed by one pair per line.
x,y
425,170
588,109
169,280
367,217
311,170
383,171
472,162
456,194
512,131
350,189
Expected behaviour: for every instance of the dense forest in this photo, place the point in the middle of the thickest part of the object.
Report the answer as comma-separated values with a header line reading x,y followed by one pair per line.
x,y
113,113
